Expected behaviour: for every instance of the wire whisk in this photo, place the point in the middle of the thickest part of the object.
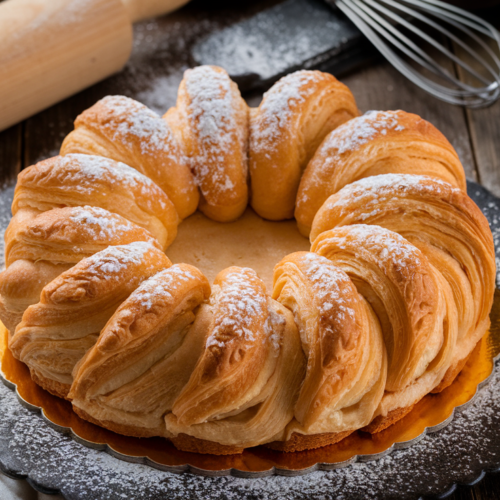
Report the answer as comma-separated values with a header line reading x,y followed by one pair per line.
x,y
387,24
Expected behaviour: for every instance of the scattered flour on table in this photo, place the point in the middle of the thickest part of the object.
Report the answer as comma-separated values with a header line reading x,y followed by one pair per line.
x,y
162,94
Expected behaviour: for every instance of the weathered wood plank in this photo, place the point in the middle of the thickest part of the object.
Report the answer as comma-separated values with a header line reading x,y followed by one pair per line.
x,y
45,131
487,489
10,153
484,125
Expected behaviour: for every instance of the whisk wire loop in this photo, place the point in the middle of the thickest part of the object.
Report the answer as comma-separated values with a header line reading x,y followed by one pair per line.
x,y
448,34
383,22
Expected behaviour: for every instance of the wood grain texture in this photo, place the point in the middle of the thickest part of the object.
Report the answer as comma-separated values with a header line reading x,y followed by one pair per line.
x,y
484,124
11,153
50,50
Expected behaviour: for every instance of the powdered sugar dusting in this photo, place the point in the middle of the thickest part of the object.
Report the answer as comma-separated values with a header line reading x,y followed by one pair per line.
x,y
456,453
213,118
356,132
83,173
129,120
112,261
160,289
379,245
277,108
95,222
273,325
379,188
329,284
237,301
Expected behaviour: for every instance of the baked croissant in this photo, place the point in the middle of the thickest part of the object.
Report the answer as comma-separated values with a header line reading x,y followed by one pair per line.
x,y
79,180
379,142
55,333
40,246
285,130
242,389
445,224
144,354
125,130
210,121
413,302
346,356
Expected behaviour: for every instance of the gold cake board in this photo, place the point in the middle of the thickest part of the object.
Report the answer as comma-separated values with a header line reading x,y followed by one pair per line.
x,y
432,413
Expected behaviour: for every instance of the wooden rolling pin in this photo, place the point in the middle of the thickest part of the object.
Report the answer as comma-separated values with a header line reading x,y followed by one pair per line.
x,y
51,49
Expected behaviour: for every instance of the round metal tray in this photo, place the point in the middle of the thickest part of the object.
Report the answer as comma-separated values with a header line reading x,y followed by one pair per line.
x,y
466,445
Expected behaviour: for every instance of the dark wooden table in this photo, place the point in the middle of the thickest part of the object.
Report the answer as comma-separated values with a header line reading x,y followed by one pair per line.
x,y
155,68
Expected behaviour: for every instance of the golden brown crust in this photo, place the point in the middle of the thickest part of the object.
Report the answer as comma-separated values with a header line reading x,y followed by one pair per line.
x,y
375,257
250,399
78,180
290,123
145,353
445,224
127,131
125,430
412,300
302,442
20,286
184,442
380,423
40,246
55,333
379,142
382,320
56,388
343,343
453,372
67,235
211,121
137,323
236,349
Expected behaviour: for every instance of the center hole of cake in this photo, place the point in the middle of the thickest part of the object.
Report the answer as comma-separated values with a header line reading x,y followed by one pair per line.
x,y
249,241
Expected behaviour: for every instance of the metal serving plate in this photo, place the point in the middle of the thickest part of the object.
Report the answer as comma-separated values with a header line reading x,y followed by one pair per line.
x,y
430,415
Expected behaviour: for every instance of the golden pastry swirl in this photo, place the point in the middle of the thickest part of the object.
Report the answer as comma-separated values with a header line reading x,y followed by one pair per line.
x,y
342,340
210,121
242,389
125,130
412,300
285,130
55,333
78,180
142,358
379,142
40,246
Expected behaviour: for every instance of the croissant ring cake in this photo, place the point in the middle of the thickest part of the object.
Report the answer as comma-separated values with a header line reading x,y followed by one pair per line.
x,y
385,308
